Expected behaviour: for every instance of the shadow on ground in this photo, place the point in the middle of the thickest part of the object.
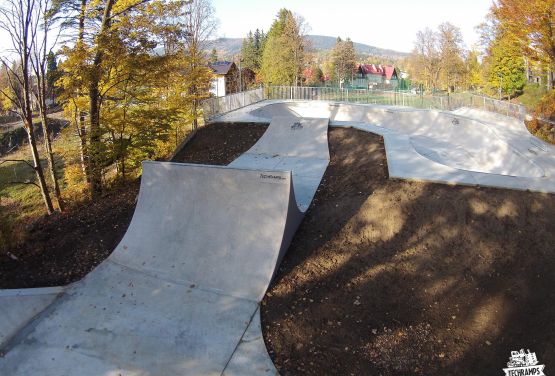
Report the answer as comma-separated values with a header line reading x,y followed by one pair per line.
x,y
390,277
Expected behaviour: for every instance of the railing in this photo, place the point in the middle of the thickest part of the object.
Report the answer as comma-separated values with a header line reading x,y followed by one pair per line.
x,y
397,98
391,98
220,105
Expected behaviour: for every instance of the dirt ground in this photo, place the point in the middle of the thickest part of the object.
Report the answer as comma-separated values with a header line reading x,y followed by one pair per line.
x,y
63,248
220,144
383,277
389,277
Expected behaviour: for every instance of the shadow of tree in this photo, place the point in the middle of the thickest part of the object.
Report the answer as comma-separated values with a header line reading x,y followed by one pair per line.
x,y
397,277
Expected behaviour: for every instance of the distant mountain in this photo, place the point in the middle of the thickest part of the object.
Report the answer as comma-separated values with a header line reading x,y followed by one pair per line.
x,y
324,43
228,47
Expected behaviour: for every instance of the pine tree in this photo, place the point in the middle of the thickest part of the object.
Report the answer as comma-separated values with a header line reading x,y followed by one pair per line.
x,y
283,53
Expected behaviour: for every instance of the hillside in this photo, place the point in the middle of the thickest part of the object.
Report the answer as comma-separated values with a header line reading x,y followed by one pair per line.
x,y
227,47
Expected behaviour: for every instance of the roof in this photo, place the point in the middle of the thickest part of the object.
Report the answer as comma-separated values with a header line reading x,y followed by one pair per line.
x,y
221,67
371,69
379,70
389,71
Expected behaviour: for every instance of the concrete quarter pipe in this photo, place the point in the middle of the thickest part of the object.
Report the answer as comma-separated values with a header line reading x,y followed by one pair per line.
x,y
180,293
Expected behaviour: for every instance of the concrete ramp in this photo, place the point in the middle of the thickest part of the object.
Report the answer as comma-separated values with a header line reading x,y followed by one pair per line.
x,y
219,228
180,293
293,144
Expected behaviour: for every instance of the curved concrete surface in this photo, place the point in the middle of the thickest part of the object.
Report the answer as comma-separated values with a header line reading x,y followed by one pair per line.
x,y
466,146
180,293
455,141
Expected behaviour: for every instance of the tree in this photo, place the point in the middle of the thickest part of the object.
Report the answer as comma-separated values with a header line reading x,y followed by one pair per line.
x,y
213,56
343,59
39,60
473,70
20,19
200,27
425,60
531,23
283,55
313,75
505,65
452,50
114,39
53,74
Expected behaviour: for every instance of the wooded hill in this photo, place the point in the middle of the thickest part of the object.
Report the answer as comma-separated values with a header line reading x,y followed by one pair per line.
x,y
228,47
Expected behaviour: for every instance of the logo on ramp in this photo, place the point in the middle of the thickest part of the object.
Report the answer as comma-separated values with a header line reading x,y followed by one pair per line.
x,y
296,125
272,178
523,364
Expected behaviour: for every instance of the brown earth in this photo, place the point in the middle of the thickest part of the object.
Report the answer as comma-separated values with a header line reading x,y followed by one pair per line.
x,y
383,277
220,144
389,277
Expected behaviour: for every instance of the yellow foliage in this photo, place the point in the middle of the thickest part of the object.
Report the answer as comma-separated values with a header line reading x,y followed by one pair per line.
x,y
75,183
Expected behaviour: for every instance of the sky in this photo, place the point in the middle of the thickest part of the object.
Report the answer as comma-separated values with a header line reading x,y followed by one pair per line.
x,y
377,23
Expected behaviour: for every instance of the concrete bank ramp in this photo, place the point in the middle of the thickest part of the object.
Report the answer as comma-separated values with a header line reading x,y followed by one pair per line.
x,y
293,144
180,293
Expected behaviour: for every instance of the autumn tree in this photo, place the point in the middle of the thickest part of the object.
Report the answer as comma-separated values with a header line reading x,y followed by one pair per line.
x,y
20,19
473,71
343,60
121,90
505,65
200,26
313,75
425,60
531,23
452,51
284,52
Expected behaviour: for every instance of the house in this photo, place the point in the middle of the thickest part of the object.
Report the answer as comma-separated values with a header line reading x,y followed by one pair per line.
x,y
226,78
376,76
229,79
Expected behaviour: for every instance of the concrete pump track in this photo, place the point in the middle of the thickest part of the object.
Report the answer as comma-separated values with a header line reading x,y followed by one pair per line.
x,y
182,296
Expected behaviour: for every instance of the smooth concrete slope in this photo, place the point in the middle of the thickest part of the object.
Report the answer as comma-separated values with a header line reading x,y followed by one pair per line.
x,y
293,144
466,146
180,294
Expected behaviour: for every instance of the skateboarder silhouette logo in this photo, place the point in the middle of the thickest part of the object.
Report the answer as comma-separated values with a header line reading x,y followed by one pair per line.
x,y
296,125
523,364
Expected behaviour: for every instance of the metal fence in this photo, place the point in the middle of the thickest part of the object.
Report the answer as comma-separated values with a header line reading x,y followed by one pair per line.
x,y
398,98
391,98
220,105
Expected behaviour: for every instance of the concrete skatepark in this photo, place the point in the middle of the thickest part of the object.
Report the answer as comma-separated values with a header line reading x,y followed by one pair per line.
x,y
466,146
181,297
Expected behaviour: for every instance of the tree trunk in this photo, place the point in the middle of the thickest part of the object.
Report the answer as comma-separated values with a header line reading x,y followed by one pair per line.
x,y
50,159
95,133
40,72
37,166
